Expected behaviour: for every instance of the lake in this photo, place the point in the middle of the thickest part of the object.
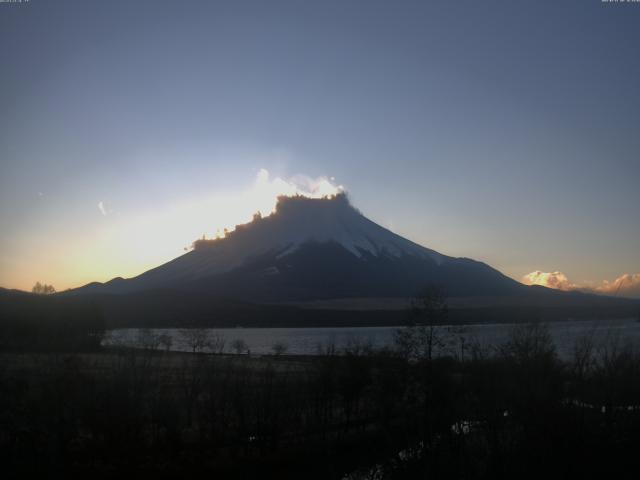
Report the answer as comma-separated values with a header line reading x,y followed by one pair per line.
x,y
305,341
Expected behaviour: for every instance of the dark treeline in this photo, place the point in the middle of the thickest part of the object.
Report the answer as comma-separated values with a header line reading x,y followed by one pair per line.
x,y
30,322
170,309
516,411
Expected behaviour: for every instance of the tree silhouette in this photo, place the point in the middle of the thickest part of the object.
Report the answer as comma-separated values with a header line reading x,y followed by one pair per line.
x,y
424,335
239,346
43,289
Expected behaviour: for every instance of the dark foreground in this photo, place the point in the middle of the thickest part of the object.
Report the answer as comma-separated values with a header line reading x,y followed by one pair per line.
x,y
516,412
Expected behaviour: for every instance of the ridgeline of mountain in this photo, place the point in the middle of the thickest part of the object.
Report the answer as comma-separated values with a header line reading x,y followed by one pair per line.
x,y
313,249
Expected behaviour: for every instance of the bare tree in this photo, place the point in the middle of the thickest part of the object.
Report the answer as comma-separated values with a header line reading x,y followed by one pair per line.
x,y
239,345
197,339
584,358
43,289
148,339
424,335
529,342
217,343
279,348
457,340
166,341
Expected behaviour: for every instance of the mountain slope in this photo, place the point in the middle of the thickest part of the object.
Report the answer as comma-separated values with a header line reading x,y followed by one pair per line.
x,y
313,248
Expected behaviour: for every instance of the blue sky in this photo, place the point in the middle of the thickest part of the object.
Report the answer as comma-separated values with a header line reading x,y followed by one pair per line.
x,y
502,131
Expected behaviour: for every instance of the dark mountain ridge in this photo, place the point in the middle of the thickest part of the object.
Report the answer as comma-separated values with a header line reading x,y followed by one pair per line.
x,y
270,271
312,249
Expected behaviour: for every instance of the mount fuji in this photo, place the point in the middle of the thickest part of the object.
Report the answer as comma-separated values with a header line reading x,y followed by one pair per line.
x,y
310,249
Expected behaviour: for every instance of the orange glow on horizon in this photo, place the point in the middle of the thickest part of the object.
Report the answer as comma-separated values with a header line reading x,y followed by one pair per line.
x,y
128,243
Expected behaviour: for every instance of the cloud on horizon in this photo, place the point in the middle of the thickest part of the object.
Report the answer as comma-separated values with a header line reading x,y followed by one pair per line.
x,y
626,285
557,280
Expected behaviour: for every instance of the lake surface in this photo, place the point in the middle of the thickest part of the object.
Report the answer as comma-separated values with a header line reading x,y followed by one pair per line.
x,y
305,341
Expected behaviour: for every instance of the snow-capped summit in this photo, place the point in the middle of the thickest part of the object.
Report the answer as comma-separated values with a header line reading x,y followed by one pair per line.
x,y
299,220
313,248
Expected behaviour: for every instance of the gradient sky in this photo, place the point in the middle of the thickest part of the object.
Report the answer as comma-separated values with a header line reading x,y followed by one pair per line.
x,y
505,131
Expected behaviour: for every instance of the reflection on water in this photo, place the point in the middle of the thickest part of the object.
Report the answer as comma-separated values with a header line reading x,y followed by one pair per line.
x,y
304,341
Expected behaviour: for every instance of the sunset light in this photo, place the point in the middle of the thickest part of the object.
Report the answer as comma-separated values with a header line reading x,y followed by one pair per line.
x,y
131,241
320,240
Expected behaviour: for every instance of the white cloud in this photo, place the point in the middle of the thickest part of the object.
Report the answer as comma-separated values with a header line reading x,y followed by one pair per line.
x,y
297,185
102,208
265,191
557,280
261,196
626,285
